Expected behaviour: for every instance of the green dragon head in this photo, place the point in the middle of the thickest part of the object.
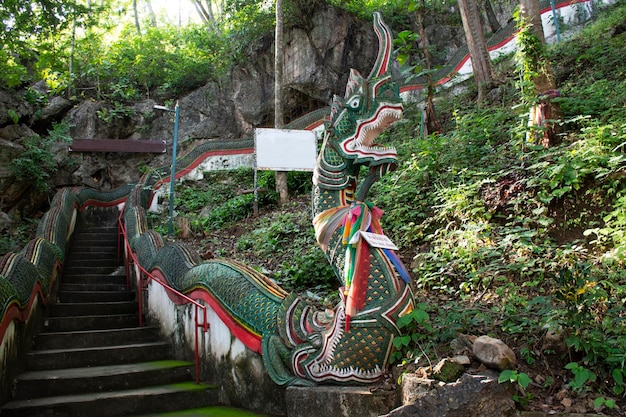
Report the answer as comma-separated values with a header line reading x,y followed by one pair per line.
x,y
368,109
370,105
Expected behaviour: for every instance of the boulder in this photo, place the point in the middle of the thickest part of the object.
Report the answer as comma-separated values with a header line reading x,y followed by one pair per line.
x,y
16,132
5,221
54,111
472,395
494,353
13,105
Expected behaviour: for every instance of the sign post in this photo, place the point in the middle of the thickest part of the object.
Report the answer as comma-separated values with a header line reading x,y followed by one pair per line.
x,y
170,227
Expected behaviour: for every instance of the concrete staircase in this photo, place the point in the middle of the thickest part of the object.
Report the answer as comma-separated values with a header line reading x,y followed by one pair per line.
x,y
91,358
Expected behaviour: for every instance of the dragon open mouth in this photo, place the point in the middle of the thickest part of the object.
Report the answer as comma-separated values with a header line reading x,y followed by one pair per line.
x,y
324,367
362,145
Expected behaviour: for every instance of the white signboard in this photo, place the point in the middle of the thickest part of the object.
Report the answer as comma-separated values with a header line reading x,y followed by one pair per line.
x,y
285,150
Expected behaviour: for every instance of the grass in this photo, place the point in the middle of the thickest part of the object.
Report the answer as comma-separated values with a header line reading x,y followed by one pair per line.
x,y
215,411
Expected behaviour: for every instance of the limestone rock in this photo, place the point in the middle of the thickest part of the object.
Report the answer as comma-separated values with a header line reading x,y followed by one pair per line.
x,y
5,221
98,120
472,395
55,110
462,344
327,401
16,133
554,339
13,105
462,359
494,353
348,41
448,370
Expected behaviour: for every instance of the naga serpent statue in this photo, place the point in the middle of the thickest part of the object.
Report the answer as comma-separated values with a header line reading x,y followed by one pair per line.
x,y
352,343
300,344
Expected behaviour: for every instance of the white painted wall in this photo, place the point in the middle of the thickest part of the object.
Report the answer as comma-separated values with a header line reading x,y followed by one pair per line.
x,y
224,360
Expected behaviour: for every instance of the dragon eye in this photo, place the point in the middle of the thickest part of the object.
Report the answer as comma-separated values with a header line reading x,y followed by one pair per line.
x,y
354,102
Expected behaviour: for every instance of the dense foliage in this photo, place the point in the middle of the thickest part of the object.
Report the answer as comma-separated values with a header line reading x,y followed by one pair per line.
x,y
104,50
99,51
513,239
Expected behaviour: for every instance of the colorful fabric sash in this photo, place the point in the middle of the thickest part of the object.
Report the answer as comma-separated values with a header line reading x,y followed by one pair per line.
x,y
355,218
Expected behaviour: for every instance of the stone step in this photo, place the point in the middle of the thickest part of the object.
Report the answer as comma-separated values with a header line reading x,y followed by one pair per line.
x,y
94,322
105,247
91,359
101,286
94,270
94,296
104,255
210,411
56,382
93,244
93,309
79,248
104,234
39,360
147,400
94,338
94,278
94,260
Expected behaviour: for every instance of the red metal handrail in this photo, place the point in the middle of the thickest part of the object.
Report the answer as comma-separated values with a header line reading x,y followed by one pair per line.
x,y
150,277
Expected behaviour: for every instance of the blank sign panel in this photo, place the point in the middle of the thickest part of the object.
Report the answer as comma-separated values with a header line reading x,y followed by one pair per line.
x,y
285,149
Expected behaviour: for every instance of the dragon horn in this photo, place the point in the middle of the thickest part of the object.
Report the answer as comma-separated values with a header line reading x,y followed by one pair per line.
x,y
384,47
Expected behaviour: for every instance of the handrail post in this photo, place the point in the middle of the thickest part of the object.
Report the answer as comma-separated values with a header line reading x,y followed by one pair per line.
x,y
140,297
128,269
131,259
197,349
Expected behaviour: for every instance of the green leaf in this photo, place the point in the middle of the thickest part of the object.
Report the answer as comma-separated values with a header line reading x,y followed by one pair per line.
x,y
618,376
598,402
523,380
580,378
397,343
419,316
13,116
506,376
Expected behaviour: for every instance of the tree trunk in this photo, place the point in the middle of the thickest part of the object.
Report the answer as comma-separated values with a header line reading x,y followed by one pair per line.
x,y
212,20
477,45
494,25
137,26
206,14
531,12
70,89
432,125
279,122
201,11
151,11
545,113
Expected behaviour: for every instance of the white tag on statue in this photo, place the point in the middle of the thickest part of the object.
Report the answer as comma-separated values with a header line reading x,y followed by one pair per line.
x,y
374,240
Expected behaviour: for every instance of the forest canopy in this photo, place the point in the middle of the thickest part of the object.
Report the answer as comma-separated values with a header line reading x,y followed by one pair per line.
x,y
126,49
